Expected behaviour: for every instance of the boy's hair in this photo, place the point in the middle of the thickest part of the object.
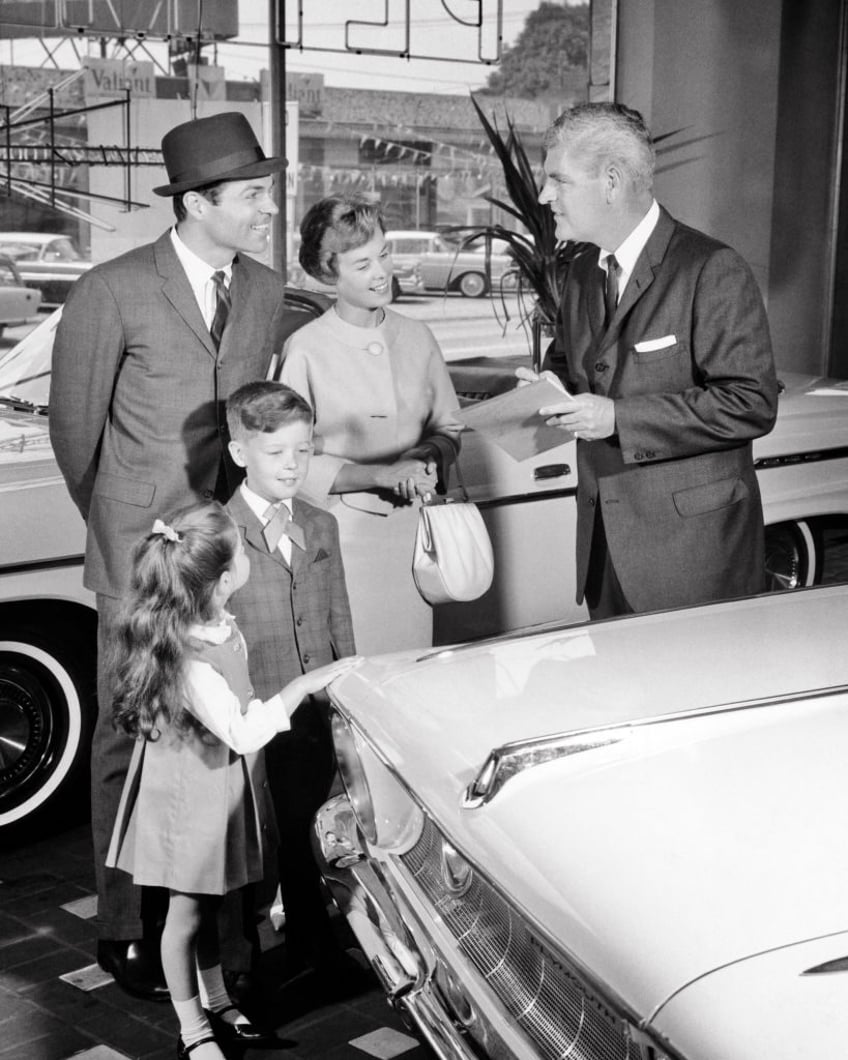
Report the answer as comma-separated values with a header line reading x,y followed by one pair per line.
x,y
332,226
175,571
263,407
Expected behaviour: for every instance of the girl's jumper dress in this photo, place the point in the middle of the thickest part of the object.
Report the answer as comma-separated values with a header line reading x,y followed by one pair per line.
x,y
195,814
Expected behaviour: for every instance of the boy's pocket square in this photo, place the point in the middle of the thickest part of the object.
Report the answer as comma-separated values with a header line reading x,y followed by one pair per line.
x,y
321,554
649,345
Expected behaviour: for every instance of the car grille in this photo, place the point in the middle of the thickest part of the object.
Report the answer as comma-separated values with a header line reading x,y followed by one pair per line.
x,y
551,1004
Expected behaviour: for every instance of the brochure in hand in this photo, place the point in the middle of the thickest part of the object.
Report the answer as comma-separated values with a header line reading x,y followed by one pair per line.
x,y
512,420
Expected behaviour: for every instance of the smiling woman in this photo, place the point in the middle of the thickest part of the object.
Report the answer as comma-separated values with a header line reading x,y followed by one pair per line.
x,y
384,403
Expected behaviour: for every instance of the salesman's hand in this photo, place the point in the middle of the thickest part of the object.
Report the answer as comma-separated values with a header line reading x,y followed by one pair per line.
x,y
527,375
587,416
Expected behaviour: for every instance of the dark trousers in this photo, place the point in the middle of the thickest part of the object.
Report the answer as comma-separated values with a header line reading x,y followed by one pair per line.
x,y
119,901
604,595
301,766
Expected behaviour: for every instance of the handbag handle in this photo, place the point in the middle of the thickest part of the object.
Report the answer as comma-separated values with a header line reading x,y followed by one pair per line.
x,y
434,497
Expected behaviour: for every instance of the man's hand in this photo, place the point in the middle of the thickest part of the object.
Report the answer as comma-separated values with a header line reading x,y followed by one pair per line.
x,y
527,375
587,416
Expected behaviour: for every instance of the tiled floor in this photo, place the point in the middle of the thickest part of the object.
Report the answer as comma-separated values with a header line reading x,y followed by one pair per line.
x,y
47,944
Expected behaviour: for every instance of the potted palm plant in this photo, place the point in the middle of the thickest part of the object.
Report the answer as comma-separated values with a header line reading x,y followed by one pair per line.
x,y
541,262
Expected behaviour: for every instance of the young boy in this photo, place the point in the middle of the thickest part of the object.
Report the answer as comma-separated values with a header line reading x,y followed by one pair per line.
x,y
295,616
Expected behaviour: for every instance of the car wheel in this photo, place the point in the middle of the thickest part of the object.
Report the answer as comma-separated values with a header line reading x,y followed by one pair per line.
x,y
47,711
473,284
792,558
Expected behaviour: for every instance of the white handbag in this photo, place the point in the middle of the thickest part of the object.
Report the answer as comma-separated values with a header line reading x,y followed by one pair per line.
x,y
453,557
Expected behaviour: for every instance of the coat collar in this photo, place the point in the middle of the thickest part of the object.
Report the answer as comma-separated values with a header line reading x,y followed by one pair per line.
x,y
177,290
644,272
252,531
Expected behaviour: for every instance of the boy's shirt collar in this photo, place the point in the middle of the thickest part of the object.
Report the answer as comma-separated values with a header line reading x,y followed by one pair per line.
x,y
258,505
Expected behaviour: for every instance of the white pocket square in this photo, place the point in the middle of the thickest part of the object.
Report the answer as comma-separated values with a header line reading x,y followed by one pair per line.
x,y
648,345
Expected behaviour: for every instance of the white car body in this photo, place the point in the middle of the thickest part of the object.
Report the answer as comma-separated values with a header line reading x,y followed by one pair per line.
x,y
612,841
47,617
18,302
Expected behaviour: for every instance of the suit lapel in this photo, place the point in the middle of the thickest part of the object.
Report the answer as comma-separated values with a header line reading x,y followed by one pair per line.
x,y
647,265
301,558
177,289
252,529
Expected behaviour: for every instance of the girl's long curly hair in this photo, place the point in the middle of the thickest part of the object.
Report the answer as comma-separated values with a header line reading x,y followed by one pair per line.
x,y
175,572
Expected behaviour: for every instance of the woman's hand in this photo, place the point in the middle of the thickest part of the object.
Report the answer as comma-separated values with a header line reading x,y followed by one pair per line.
x,y
409,478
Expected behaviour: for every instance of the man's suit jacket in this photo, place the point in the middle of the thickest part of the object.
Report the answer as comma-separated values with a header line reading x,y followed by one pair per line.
x,y
687,359
294,618
138,389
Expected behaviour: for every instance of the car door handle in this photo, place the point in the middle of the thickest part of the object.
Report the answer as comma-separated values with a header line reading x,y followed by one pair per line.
x,y
551,471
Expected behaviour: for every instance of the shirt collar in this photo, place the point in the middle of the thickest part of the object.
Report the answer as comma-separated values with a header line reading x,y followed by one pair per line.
x,y
198,271
258,505
627,253
213,634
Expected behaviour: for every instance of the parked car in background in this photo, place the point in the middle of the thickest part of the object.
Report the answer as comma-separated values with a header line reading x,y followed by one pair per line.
x,y
612,841
18,301
47,618
47,260
445,267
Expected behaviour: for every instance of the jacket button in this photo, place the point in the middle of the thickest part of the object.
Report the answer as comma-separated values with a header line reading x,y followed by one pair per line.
x,y
601,366
298,621
650,454
591,502
208,494
638,456
294,587
306,657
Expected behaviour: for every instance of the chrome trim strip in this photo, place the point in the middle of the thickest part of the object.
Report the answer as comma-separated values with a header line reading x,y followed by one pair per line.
x,y
510,759
364,899
791,459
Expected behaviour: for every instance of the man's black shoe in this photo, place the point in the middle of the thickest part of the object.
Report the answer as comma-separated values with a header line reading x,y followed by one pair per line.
x,y
135,967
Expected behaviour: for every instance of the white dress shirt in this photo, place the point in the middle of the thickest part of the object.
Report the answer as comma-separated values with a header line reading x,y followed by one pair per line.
x,y
627,253
200,277
259,506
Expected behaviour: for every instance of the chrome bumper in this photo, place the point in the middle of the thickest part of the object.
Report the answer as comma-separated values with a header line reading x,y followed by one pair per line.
x,y
364,897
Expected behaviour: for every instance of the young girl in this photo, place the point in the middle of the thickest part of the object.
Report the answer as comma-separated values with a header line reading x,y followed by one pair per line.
x,y
192,817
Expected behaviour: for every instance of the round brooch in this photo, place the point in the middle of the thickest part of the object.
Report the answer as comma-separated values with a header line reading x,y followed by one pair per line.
x,y
374,348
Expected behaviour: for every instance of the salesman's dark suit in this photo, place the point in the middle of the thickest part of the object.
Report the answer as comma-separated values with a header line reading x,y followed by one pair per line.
x,y
687,360
138,427
296,617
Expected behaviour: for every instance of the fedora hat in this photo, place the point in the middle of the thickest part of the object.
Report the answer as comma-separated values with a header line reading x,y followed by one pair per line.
x,y
207,150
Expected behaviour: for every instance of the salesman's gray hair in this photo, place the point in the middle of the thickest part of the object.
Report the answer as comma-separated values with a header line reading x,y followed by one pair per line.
x,y
599,133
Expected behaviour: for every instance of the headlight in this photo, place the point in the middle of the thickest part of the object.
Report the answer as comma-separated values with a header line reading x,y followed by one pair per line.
x,y
353,776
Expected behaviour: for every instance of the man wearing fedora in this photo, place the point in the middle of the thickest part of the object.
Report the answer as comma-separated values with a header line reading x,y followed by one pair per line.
x,y
148,349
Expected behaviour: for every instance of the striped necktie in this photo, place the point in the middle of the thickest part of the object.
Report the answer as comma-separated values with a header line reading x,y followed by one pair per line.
x,y
222,307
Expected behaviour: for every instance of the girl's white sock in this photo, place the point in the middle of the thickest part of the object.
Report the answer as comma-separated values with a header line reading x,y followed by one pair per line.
x,y
194,1025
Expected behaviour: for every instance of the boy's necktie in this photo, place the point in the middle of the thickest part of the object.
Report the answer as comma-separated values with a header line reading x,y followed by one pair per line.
x,y
222,308
279,523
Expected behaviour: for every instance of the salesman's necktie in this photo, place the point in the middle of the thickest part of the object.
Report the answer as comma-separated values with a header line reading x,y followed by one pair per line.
x,y
611,289
279,523
222,307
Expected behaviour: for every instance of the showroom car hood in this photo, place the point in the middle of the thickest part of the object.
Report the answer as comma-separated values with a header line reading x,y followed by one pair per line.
x,y
588,844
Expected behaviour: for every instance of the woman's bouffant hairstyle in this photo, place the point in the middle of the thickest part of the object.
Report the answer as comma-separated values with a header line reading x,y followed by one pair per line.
x,y
332,226
175,571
